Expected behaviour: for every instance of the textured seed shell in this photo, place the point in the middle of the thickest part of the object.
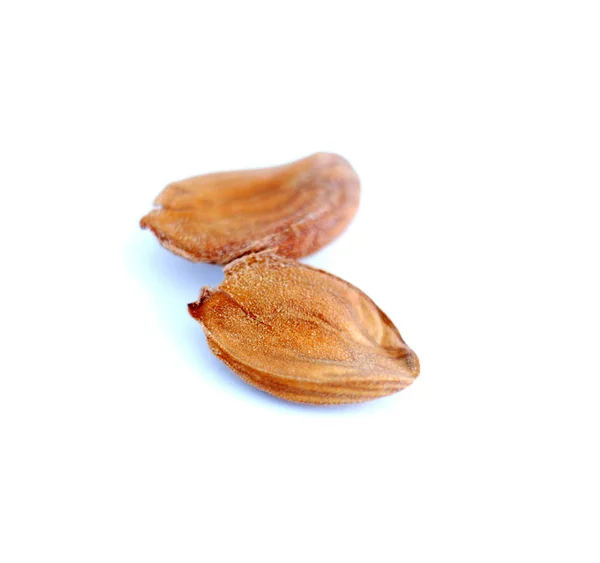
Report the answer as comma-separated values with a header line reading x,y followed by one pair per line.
x,y
294,210
302,334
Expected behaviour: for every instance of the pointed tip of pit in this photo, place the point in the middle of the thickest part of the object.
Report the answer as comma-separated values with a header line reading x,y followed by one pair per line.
x,y
413,364
194,308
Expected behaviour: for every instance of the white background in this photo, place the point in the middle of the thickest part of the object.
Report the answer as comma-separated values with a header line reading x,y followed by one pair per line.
x,y
475,128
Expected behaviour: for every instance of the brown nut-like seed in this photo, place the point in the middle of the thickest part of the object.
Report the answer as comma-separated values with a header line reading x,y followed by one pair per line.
x,y
303,334
294,210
